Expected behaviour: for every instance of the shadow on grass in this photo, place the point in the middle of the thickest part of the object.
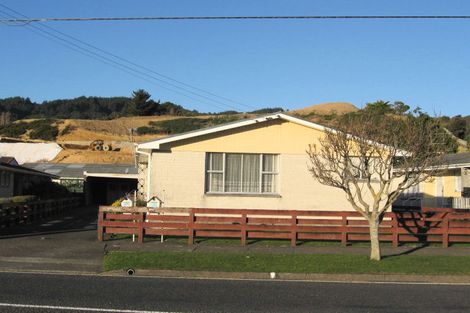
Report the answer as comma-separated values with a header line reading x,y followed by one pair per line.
x,y
406,252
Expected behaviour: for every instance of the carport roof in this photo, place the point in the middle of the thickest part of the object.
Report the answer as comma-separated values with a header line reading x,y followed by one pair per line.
x,y
77,170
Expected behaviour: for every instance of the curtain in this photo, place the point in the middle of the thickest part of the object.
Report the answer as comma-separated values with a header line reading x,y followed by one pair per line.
x,y
251,171
215,172
269,163
269,173
269,183
233,163
217,182
216,162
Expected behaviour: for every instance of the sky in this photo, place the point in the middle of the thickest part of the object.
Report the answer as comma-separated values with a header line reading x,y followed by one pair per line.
x,y
247,64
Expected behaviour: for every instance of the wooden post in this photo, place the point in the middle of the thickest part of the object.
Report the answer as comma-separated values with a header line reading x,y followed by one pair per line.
x,y
293,238
140,234
445,231
395,235
191,228
100,225
243,230
344,230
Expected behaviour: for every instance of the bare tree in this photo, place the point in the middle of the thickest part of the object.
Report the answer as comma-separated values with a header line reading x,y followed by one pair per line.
x,y
373,158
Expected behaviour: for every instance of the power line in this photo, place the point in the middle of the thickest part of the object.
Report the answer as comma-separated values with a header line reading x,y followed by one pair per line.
x,y
130,69
274,17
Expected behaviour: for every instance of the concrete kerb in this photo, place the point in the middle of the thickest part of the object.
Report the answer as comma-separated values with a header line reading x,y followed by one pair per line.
x,y
305,277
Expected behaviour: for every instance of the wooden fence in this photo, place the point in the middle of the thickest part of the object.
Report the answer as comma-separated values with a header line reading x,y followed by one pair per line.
x,y
23,213
444,225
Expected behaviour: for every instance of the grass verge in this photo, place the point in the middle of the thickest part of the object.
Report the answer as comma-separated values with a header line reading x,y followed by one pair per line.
x,y
287,263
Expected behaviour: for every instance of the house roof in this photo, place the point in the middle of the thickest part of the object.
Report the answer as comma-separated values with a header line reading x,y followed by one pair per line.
x,y
24,170
77,170
8,160
155,144
455,160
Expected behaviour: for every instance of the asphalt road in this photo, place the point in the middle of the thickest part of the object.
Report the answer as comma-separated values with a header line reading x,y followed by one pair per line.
x,y
38,293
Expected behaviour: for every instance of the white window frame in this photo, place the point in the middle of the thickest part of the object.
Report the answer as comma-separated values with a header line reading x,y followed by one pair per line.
x,y
210,171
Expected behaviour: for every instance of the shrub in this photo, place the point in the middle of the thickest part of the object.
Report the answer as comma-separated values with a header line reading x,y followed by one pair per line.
x,y
146,130
179,125
67,130
117,203
182,125
45,132
14,129
45,129
18,199
48,190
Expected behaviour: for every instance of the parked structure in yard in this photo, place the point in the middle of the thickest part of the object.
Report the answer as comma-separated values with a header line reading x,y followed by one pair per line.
x,y
450,188
99,183
254,163
16,179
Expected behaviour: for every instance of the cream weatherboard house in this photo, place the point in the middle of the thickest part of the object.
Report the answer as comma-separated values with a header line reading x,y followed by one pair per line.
x,y
258,163
450,187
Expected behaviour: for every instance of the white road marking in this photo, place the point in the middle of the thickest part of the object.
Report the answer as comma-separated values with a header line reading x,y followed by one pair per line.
x,y
69,308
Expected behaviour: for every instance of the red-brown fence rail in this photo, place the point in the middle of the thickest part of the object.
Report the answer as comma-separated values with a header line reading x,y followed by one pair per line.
x,y
23,213
444,226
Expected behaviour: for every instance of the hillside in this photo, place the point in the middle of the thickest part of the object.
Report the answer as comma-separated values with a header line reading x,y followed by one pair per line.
x,y
75,135
326,109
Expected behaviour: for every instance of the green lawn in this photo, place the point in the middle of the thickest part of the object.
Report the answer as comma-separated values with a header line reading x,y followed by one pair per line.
x,y
287,263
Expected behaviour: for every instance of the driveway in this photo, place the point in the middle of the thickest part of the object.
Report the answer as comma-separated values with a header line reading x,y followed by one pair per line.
x,y
63,243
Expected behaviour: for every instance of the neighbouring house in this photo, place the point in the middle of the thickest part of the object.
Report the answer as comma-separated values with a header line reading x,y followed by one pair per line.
x,y
98,183
15,179
258,163
449,188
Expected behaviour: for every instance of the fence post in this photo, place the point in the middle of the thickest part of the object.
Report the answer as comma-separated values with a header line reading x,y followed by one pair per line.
x,y
100,225
445,231
395,235
140,235
243,230
293,238
191,228
344,231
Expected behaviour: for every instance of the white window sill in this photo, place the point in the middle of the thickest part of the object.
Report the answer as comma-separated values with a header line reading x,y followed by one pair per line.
x,y
241,194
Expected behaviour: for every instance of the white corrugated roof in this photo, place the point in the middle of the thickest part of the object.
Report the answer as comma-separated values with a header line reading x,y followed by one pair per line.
x,y
30,152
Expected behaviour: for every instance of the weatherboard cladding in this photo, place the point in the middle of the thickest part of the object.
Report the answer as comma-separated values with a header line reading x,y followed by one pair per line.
x,y
65,170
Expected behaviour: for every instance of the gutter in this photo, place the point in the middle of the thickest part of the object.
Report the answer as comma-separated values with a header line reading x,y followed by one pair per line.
x,y
149,169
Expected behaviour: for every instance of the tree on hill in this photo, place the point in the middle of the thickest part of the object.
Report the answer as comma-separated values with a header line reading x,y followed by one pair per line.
x,y
360,159
18,107
141,104
458,126
400,108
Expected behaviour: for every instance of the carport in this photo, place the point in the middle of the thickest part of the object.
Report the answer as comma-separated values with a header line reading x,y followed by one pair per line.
x,y
105,188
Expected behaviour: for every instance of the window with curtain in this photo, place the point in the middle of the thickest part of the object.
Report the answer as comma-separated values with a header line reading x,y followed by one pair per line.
x,y
242,173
